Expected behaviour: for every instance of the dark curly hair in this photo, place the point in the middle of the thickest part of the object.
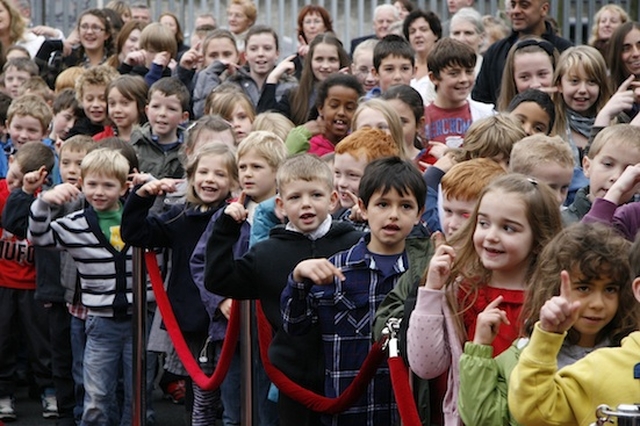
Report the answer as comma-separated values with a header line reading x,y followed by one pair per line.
x,y
591,252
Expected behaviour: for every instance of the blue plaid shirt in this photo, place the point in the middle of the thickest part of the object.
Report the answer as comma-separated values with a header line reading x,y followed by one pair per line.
x,y
345,312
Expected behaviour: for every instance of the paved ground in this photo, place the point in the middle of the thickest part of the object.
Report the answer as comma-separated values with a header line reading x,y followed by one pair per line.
x,y
30,412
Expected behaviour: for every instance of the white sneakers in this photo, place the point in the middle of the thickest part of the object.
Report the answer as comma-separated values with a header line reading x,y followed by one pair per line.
x,y
7,408
49,404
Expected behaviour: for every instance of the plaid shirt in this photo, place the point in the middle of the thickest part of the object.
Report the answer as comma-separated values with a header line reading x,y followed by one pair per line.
x,y
345,312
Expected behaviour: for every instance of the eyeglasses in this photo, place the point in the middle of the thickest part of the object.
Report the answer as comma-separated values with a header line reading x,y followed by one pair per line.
x,y
94,28
362,71
316,21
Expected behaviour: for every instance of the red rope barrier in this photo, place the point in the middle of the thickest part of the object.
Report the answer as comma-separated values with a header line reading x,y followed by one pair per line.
x,y
310,399
402,391
203,381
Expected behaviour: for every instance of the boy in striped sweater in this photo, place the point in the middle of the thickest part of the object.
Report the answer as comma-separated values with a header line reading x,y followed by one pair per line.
x,y
92,237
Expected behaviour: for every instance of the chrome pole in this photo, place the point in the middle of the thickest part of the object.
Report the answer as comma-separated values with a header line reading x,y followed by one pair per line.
x,y
246,386
139,394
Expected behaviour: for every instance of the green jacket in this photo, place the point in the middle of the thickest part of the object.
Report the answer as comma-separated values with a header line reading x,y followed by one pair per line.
x,y
153,159
419,251
482,399
298,140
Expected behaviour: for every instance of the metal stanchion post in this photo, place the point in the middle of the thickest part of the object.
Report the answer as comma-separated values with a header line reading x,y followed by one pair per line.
x,y
139,394
246,386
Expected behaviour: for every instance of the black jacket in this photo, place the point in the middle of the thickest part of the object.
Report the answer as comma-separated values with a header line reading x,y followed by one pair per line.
x,y
179,229
15,219
262,274
489,80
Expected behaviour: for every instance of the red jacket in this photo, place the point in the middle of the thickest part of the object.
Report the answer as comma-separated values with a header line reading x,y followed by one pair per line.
x,y
17,267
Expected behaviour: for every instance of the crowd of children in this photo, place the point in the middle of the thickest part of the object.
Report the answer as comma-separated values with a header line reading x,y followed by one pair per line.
x,y
340,193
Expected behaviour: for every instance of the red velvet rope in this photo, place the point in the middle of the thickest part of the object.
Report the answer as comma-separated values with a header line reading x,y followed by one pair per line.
x,y
310,399
203,381
402,391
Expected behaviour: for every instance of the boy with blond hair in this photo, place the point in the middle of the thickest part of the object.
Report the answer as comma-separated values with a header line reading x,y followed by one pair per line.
x,y
258,156
305,197
28,120
158,142
17,290
339,295
91,236
53,288
546,159
613,150
90,91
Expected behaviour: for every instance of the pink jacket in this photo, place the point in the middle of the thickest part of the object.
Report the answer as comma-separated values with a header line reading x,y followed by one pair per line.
x,y
433,346
319,145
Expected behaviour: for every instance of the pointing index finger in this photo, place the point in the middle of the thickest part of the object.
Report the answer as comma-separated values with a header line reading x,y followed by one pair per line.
x,y
494,303
626,84
242,197
352,196
565,285
438,239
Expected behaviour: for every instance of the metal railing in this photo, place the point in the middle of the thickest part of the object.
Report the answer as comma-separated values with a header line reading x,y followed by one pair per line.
x,y
351,18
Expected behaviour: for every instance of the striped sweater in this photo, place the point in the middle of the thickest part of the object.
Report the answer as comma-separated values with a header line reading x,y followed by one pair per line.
x,y
105,273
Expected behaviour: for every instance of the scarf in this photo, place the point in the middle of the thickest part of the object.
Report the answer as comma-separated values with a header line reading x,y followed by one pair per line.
x,y
580,123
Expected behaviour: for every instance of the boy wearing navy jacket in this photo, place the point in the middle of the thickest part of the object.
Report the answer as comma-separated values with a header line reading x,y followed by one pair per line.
x,y
305,198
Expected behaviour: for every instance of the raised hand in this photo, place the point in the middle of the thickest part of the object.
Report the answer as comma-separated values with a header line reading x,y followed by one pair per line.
x,y
356,213
158,187
440,264
236,210
138,178
61,194
33,180
622,100
316,126
319,271
447,161
162,58
303,47
488,322
46,31
192,58
285,67
437,149
625,187
136,57
559,313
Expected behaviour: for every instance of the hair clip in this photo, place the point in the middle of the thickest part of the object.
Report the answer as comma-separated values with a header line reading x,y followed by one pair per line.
x,y
542,44
191,126
533,181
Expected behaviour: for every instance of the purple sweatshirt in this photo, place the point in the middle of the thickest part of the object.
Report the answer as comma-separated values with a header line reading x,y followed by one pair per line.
x,y
626,218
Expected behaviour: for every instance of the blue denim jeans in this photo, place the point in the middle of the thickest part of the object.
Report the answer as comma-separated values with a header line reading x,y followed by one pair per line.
x,y
230,389
108,351
78,340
